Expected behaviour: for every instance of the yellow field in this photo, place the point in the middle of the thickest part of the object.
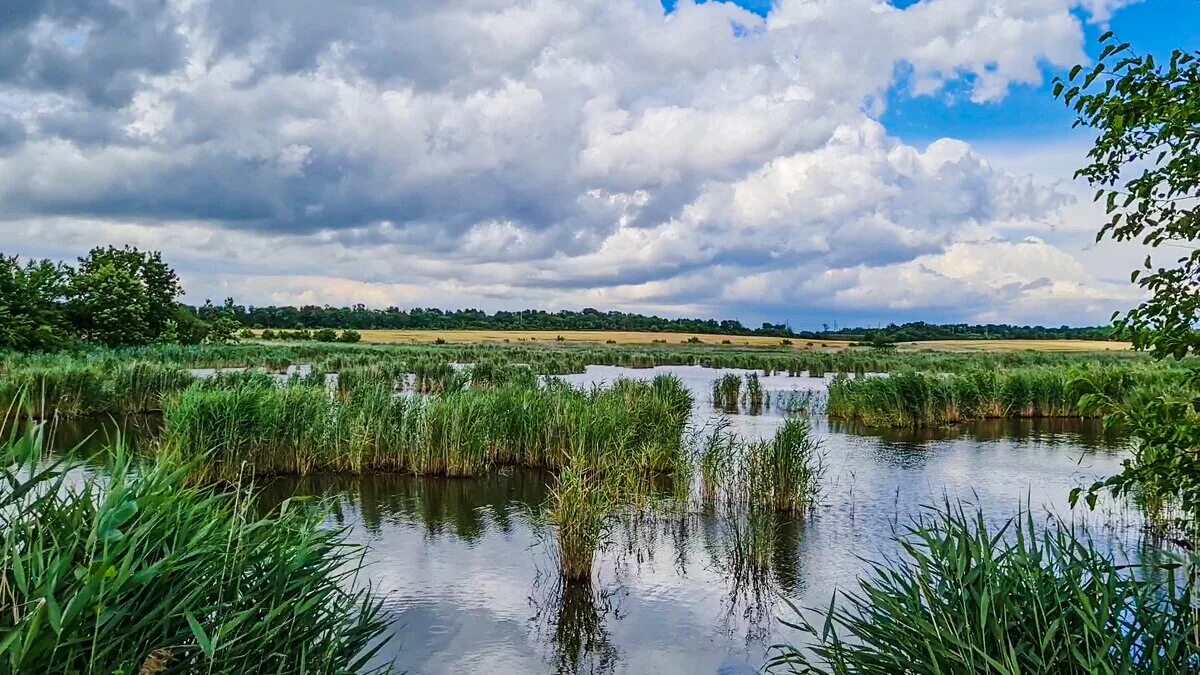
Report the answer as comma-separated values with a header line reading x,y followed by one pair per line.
x,y
1018,345
636,338
591,336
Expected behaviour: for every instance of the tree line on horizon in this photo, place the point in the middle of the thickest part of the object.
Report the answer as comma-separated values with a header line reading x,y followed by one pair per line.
x,y
120,297
361,317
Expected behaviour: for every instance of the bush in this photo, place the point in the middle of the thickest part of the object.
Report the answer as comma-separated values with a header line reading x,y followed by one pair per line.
x,y
972,599
267,334
349,336
325,335
245,334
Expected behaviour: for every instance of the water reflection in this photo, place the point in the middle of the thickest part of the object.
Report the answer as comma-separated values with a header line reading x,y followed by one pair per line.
x,y
686,588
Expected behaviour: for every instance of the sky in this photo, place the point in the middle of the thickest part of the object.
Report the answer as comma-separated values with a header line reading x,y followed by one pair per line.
x,y
804,161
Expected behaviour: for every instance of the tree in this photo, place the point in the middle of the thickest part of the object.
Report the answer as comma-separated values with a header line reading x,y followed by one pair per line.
x,y
1145,165
109,305
31,313
123,296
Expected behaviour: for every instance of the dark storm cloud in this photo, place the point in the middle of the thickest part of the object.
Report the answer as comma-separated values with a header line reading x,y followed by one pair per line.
x,y
12,133
97,49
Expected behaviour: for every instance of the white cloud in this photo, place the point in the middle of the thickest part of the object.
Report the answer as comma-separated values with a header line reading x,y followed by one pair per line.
x,y
552,153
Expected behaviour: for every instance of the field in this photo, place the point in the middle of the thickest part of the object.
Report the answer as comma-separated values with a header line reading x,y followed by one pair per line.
x,y
636,338
579,336
1019,345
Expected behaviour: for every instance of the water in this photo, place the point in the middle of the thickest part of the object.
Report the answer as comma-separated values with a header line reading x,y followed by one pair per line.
x,y
470,586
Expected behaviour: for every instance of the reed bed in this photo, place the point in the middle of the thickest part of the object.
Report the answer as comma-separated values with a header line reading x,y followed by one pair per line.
x,y
915,399
559,359
68,388
1019,598
298,430
137,572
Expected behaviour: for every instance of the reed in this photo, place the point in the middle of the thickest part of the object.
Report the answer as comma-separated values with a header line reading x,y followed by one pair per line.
x,y
69,388
578,509
784,473
969,598
727,391
913,399
138,572
299,429
755,395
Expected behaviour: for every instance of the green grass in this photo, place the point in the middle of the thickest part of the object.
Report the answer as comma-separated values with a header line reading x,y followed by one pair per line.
x,y
967,598
301,429
913,399
726,391
69,388
138,572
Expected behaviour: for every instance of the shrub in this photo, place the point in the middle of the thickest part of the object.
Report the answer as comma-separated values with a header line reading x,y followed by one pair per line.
x,y
325,335
349,336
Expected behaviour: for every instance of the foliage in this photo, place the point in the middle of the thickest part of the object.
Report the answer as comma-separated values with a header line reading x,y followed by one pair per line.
x,y
1147,115
123,296
1145,164
137,572
31,312
968,598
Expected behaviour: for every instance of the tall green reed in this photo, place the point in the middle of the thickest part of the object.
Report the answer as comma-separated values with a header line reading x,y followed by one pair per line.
x,y
138,572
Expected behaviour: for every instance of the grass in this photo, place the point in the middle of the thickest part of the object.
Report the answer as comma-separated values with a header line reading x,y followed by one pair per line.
x,y
969,598
914,399
301,429
726,391
70,388
138,572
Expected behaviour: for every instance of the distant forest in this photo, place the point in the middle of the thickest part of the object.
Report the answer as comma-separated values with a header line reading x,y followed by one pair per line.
x,y
360,317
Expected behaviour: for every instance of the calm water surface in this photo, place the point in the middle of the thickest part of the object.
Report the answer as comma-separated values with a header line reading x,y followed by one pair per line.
x,y
470,586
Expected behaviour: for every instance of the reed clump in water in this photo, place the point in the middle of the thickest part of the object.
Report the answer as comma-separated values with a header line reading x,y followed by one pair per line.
x,y
784,473
727,391
578,508
1020,598
914,399
139,572
755,395
298,430
72,388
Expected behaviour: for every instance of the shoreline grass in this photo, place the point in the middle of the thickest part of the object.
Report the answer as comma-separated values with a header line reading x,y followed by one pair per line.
x,y
916,399
135,571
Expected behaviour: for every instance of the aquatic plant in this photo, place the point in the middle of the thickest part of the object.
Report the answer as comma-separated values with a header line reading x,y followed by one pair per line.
x,y
72,388
911,398
969,598
755,395
138,572
578,509
784,473
727,391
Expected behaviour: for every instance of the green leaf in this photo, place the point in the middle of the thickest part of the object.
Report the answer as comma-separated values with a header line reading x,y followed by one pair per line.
x,y
201,637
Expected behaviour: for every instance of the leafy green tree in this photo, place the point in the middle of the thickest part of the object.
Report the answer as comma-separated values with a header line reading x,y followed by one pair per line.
x,y
1145,166
109,306
123,296
223,329
186,328
31,311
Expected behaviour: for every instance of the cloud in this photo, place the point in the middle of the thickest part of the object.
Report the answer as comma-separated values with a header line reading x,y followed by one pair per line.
x,y
541,152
